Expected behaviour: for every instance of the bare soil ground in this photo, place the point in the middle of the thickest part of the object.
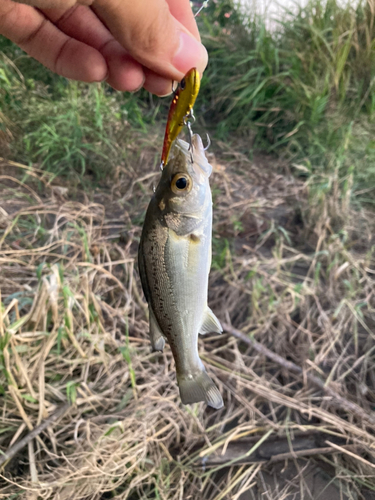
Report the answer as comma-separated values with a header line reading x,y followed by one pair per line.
x,y
293,269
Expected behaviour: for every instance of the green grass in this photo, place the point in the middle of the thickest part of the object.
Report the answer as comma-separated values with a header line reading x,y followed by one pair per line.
x,y
67,128
72,133
304,91
317,62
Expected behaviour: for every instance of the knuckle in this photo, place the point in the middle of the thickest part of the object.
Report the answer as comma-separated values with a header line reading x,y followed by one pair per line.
x,y
57,65
66,16
30,37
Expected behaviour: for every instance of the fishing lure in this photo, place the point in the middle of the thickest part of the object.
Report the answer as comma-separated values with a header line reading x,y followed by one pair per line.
x,y
181,110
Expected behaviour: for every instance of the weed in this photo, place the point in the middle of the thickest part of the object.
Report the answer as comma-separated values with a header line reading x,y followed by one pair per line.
x,y
303,89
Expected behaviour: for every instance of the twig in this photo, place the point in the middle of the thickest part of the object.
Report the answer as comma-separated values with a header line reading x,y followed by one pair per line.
x,y
13,450
337,400
310,453
344,449
280,457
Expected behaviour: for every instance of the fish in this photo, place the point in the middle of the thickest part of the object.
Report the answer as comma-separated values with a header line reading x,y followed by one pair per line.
x,y
180,110
174,260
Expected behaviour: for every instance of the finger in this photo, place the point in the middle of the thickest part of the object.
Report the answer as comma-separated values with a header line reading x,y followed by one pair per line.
x,y
54,4
35,34
125,74
153,36
157,84
81,23
181,10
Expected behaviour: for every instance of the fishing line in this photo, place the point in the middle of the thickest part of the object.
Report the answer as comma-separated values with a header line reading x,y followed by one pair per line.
x,y
203,6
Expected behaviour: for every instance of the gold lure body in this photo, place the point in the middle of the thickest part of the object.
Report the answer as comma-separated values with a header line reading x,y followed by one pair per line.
x,y
180,110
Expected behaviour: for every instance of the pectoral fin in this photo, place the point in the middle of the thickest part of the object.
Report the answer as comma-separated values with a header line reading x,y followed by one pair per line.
x,y
156,337
210,323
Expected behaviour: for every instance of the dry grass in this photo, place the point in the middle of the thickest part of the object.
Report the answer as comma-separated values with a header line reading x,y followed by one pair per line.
x,y
293,267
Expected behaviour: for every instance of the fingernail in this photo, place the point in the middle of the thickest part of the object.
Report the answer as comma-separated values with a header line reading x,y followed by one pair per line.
x,y
190,54
164,95
101,80
170,91
140,86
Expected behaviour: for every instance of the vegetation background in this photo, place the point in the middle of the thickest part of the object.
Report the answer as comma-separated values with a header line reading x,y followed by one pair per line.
x,y
291,115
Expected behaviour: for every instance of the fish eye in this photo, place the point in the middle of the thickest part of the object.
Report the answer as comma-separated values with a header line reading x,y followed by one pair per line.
x,y
181,183
182,84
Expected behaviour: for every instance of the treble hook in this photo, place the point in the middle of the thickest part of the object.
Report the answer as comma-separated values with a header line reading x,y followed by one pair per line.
x,y
190,139
208,142
188,120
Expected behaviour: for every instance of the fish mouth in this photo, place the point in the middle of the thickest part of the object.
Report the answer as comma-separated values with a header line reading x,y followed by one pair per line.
x,y
200,163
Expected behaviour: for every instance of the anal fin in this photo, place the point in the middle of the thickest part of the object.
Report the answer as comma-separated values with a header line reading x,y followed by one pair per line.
x,y
210,323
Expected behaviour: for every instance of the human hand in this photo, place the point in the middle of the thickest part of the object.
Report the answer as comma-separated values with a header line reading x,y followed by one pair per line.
x,y
128,43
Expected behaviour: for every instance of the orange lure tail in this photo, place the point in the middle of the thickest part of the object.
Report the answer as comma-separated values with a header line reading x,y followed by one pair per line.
x,y
181,108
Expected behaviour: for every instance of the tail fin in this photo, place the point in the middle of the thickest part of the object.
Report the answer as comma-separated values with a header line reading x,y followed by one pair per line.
x,y
200,388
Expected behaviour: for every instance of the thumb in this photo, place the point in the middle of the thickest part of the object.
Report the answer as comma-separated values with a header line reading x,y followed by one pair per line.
x,y
149,32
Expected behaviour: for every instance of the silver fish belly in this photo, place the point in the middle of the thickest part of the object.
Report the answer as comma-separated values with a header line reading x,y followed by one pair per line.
x,y
174,261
